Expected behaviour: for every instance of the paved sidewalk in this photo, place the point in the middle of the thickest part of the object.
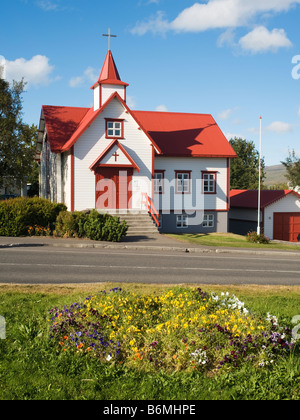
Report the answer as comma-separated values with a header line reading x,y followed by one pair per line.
x,y
148,243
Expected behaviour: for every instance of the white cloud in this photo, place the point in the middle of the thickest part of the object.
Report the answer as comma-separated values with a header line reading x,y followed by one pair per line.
x,y
224,115
131,102
89,75
47,5
214,14
161,108
35,71
226,38
230,136
279,127
155,24
262,40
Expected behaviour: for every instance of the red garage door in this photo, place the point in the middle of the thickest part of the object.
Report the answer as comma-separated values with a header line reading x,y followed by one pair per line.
x,y
287,226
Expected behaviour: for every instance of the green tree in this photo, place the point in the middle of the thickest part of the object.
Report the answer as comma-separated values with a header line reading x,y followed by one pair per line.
x,y
17,139
244,172
292,164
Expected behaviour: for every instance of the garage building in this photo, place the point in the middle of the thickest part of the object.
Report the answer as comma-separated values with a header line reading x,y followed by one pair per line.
x,y
280,213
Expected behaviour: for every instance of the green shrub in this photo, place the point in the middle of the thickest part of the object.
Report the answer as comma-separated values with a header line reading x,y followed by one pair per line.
x,y
104,227
18,215
70,224
92,225
255,238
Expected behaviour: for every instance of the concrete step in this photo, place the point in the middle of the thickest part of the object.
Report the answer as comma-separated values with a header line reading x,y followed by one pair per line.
x,y
140,223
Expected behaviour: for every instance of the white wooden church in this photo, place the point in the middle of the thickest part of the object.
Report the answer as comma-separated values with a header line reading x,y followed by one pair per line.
x,y
111,158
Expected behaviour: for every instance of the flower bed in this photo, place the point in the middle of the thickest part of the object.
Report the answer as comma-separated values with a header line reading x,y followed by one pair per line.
x,y
183,329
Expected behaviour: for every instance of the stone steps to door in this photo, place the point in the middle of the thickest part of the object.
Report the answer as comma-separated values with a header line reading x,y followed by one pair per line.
x,y
140,223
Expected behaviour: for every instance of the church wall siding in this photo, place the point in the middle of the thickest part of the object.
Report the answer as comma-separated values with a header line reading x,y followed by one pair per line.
x,y
194,200
93,142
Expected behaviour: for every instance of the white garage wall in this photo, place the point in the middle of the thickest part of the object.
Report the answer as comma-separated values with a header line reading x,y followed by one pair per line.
x,y
288,204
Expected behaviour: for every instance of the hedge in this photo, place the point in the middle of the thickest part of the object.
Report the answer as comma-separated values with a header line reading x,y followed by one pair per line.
x,y
36,216
91,224
19,215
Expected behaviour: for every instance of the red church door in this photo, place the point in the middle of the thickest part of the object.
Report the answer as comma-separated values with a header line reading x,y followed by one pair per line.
x,y
113,188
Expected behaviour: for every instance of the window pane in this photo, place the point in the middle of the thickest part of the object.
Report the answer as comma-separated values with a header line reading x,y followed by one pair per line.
x,y
182,221
110,125
183,182
208,220
117,125
209,184
117,133
110,132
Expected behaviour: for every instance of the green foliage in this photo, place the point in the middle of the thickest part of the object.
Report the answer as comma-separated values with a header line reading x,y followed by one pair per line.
x,y
244,170
104,227
70,224
183,329
32,369
18,215
292,164
17,139
92,225
34,216
254,237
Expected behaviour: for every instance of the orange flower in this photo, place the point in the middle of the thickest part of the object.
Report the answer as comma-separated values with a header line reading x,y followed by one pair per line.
x,y
139,356
79,346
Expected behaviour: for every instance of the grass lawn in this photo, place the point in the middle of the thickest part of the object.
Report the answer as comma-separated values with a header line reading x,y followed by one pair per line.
x,y
32,368
229,240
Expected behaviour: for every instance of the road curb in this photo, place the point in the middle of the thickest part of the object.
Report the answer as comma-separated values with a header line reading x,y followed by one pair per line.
x,y
152,248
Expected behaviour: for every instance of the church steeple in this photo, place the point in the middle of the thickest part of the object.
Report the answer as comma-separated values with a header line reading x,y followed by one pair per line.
x,y
109,81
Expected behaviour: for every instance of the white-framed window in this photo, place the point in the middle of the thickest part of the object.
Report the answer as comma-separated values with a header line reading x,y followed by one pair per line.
x,y
183,182
114,128
208,220
182,221
209,182
158,181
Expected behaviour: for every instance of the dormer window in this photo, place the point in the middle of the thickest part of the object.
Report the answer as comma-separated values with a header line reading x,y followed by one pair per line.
x,y
114,129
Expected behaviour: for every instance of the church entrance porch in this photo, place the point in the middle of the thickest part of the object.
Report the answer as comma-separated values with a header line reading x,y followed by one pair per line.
x,y
113,188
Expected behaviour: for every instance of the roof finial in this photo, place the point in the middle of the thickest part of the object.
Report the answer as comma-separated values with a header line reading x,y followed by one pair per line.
x,y
109,37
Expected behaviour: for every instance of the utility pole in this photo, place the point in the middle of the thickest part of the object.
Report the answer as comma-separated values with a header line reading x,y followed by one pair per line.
x,y
259,176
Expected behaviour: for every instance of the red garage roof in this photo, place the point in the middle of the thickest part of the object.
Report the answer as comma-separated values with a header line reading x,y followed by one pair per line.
x,y
249,198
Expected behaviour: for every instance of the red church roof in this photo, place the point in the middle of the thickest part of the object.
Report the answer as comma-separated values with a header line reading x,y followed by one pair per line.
x,y
109,73
181,134
172,134
249,198
175,134
61,122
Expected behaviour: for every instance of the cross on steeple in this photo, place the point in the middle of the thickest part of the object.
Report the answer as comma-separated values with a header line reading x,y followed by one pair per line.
x,y
109,37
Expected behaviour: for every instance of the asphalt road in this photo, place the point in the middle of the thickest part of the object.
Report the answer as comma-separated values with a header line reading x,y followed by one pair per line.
x,y
47,265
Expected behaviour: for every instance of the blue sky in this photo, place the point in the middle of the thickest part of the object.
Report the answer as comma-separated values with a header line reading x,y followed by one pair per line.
x,y
235,59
